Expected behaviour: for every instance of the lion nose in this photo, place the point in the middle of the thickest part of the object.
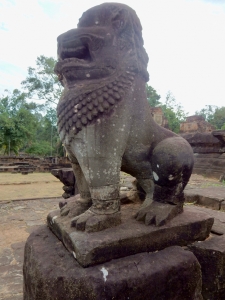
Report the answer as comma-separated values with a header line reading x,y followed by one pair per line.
x,y
69,39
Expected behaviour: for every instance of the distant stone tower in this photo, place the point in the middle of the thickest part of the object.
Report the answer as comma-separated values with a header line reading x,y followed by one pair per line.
x,y
196,124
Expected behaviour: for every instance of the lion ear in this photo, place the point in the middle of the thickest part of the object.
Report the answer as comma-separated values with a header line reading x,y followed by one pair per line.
x,y
119,21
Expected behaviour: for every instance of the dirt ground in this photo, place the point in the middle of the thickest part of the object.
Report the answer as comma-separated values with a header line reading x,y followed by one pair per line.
x,y
19,218
30,186
45,185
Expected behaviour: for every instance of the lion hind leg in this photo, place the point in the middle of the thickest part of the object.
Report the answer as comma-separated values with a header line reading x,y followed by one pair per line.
x,y
172,163
147,185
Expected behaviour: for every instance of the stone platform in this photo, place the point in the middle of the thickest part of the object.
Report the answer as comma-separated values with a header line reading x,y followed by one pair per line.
x,y
51,273
20,218
130,237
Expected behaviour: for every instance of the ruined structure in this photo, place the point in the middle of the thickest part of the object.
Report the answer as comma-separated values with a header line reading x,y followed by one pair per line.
x,y
158,117
208,146
18,164
209,153
196,124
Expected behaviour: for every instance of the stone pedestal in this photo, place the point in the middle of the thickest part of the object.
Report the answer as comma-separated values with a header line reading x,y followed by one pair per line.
x,y
129,261
51,273
131,236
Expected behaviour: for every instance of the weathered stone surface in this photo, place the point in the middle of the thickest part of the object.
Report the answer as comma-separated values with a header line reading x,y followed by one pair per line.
x,y
131,236
51,273
11,279
219,218
66,176
223,206
220,134
5,256
16,164
211,256
102,65
211,165
18,251
203,142
195,124
209,148
212,196
159,117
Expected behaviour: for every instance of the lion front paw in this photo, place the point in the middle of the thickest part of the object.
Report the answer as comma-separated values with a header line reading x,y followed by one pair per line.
x,y
158,213
91,222
74,206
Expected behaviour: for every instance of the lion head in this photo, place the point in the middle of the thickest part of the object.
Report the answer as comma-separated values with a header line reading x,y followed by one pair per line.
x,y
97,62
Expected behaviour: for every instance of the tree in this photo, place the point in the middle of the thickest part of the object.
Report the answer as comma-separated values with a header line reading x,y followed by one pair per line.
x,y
218,119
152,96
42,83
17,122
207,112
41,148
214,115
46,142
174,112
28,126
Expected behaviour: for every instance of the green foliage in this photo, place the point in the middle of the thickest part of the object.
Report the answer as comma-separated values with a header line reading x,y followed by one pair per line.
x,y
207,112
172,110
223,127
42,148
152,96
43,84
23,127
214,115
218,119
47,131
17,121
41,81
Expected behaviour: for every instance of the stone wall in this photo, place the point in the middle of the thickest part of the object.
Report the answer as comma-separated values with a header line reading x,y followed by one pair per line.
x,y
208,145
159,117
32,163
209,151
195,124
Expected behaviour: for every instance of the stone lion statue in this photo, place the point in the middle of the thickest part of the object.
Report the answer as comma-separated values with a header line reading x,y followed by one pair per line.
x,y
105,123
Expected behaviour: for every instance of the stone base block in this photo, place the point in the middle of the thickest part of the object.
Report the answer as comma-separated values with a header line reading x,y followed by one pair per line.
x,y
211,256
211,197
131,236
51,273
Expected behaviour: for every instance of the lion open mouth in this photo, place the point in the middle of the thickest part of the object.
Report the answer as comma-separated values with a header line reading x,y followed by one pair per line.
x,y
73,54
75,50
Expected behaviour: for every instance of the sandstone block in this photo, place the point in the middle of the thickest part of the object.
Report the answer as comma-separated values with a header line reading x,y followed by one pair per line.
x,y
51,273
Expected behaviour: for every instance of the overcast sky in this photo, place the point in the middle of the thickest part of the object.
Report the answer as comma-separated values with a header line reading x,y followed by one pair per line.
x,y
185,41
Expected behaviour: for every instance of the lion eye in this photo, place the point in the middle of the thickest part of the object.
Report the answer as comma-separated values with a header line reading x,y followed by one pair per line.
x,y
118,24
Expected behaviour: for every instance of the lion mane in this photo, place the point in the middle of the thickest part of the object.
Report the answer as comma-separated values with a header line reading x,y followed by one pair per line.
x,y
79,108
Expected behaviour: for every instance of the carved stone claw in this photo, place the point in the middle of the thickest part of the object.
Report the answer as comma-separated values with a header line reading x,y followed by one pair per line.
x,y
62,203
91,222
158,213
75,206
